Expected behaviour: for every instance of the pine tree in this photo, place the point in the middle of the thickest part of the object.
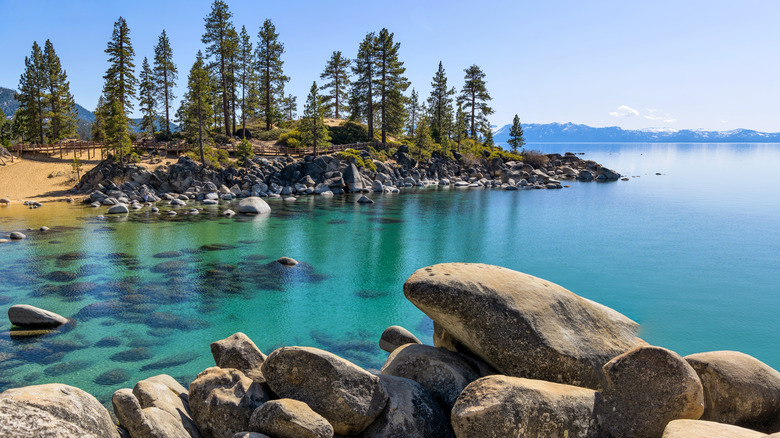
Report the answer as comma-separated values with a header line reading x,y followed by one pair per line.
x,y
245,70
99,125
58,98
119,89
197,101
219,45
165,76
146,100
440,106
487,132
362,93
314,132
422,138
6,133
460,125
31,97
516,139
474,97
390,84
412,109
269,65
290,107
337,76
233,80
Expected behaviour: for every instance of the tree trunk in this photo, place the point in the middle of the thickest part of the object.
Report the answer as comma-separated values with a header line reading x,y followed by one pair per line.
x,y
473,107
225,106
167,116
384,104
200,132
370,103
268,94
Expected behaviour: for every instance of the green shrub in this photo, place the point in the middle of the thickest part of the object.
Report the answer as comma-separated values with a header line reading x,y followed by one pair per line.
x,y
221,139
348,133
214,157
353,155
244,150
272,135
287,137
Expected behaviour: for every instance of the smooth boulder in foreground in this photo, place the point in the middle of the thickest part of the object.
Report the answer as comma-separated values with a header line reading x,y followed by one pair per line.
x,y
349,397
53,410
707,429
253,205
26,316
522,325
239,352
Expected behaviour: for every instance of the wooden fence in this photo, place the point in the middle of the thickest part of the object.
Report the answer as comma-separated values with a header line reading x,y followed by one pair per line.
x,y
91,149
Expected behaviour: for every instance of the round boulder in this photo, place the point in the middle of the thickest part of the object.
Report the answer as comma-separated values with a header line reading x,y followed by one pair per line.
x,y
647,388
395,336
17,236
707,429
118,209
239,352
288,418
287,261
521,325
253,205
53,410
503,406
349,397
738,389
442,372
222,401
24,315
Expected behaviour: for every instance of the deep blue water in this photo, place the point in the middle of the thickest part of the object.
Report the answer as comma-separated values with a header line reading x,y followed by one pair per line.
x,y
693,255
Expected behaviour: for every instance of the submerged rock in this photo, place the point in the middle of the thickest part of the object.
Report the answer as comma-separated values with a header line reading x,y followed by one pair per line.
x,y
287,261
522,325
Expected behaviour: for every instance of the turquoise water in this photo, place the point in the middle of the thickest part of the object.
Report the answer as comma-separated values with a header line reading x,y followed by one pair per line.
x,y
693,255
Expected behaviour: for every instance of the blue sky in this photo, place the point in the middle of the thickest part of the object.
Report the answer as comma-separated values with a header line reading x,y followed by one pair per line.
x,y
678,64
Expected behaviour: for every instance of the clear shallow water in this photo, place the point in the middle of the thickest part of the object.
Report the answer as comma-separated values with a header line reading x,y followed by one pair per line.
x,y
693,255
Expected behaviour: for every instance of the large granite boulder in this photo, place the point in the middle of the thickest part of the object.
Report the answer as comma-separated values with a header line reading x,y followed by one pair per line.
x,y
395,336
156,407
288,418
522,325
349,397
239,352
738,389
441,372
352,178
707,429
118,209
222,401
253,205
411,412
26,316
53,410
504,406
647,388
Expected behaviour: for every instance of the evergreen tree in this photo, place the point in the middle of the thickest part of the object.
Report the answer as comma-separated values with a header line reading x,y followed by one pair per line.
x,y
219,46
362,93
197,102
245,73
314,132
32,96
6,133
474,97
59,103
99,125
390,84
487,132
336,75
290,107
413,109
234,71
269,65
440,106
146,100
422,138
460,125
165,76
516,139
119,88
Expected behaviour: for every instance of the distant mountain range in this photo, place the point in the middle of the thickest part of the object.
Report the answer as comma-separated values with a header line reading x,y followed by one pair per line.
x,y
570,132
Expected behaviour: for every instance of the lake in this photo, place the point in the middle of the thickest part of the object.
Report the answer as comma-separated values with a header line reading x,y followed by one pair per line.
x,y
692,254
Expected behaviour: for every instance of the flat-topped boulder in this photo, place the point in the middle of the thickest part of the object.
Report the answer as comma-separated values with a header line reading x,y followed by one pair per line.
x,y
53,410
522,325
707,429
253,205
26,316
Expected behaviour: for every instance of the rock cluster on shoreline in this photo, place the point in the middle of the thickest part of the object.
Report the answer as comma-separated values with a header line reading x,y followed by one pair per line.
x,y
513,355
110,184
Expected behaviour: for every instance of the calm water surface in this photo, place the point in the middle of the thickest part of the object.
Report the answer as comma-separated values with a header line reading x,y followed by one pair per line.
x,y
692,254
